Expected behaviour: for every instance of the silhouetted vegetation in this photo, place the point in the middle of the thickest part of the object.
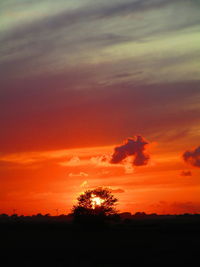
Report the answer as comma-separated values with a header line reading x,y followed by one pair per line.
x,y
131,240
95,206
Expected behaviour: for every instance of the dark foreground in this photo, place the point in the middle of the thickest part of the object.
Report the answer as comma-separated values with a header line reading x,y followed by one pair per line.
x,y
161,241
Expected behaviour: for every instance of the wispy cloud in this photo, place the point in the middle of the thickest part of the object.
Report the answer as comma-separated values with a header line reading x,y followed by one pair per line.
x,y
186,173
47,32
80,174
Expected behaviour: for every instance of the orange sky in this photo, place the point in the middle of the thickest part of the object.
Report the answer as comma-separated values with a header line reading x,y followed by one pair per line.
x,y
49,180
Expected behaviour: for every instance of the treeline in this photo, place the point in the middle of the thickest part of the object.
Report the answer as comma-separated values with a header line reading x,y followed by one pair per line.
x,y
120,217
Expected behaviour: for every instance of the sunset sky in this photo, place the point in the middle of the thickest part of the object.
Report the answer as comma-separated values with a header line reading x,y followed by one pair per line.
x,y
80,77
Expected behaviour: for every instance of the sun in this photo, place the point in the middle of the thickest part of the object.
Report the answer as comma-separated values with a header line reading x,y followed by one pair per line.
x,y
96,201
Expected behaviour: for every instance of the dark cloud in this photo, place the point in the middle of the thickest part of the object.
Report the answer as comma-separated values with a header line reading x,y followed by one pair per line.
x,y
186,173
193,157
133,147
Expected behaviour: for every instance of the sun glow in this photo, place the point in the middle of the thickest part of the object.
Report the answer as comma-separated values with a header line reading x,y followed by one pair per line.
x,y
96,201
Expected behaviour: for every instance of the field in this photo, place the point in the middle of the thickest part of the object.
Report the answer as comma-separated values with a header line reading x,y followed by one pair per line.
x,y
162,241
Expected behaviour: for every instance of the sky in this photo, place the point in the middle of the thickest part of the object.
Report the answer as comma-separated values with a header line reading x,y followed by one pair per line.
x,y
79,82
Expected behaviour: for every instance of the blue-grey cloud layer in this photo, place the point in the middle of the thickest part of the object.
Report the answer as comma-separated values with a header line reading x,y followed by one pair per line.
x,y
94,67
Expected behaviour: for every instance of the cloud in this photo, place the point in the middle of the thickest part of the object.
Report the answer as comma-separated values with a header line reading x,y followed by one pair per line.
x,y
59,46
74,161
28,103
97,161
80,174
186,173
84,184
102,161
193,157
117,190
132,147
46,38
128,168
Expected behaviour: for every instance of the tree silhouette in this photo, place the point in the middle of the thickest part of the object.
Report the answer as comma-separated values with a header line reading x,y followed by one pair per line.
x,y
96,203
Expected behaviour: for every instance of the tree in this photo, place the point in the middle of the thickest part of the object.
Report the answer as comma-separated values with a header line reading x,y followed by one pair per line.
x,y
96,203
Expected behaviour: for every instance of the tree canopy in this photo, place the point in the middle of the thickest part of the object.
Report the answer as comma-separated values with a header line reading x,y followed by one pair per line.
x,y
95,202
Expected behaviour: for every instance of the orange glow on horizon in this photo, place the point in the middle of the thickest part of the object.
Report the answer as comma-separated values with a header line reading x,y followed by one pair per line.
x,y
39,182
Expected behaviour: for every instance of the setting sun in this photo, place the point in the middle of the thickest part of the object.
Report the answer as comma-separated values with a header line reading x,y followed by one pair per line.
x,y
96,201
